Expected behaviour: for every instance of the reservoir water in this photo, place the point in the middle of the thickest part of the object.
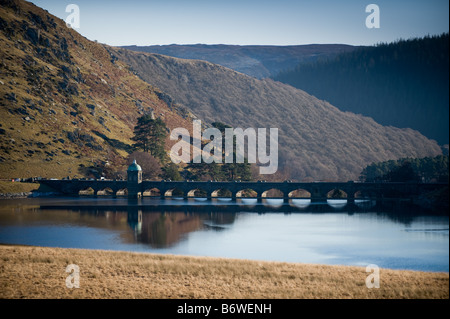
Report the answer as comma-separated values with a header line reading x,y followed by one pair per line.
x,y
322,233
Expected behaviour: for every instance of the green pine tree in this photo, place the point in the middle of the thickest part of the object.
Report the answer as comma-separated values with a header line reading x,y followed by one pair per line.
x,y
150,135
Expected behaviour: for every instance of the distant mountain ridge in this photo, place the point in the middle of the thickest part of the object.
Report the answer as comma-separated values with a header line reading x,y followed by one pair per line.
x,y
316,140
259,61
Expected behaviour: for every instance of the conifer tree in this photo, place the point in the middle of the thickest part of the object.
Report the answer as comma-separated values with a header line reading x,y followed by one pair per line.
x,y
149,135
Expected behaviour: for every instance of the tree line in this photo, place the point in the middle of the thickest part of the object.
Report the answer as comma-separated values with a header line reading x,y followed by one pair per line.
x,y
149,152
428,169
403,84
220,172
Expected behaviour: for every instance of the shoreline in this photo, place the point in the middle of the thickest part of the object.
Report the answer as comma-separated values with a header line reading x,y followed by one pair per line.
x,y
39,272
24,195
19,190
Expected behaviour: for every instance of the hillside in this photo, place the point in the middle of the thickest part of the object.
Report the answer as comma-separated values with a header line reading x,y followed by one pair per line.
x,y
317,140
403,84
66,103
259,61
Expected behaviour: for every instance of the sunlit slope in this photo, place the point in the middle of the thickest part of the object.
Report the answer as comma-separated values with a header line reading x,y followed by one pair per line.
x,y
65,101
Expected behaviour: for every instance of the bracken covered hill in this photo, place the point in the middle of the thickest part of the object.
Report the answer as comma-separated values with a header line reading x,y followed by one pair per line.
x,y
65,102
317,140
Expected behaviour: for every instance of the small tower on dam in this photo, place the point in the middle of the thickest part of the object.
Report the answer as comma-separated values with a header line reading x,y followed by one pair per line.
x,y
134,179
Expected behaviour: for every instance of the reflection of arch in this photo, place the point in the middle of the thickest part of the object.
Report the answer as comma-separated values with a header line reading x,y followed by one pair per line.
x,y
300,202
336,194
360,194
299,193
105,192
272,193
87,191
174,192
197,192
365,203
337,202
152,192
247,193
221,192
122,192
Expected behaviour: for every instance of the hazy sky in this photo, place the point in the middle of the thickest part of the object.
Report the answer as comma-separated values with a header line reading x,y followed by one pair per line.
x,y
280,22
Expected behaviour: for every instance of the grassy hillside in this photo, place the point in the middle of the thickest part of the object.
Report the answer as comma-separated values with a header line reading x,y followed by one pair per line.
x,y
317,141
65,102
404,84
259,61
16,187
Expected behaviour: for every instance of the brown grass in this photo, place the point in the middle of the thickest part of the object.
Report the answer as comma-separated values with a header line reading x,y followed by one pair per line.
x,y
37,272
34,126
8,187
17,187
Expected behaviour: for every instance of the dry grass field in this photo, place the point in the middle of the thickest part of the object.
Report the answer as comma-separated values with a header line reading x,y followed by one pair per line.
x,y
8,187
37,272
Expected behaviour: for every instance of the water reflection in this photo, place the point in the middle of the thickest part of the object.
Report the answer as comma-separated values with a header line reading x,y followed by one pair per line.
x,y
299,231
301,203
365,203
250,202
165,229
337,203
273,202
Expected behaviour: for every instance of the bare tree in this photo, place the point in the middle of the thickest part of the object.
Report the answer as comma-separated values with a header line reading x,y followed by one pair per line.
x,y
151,168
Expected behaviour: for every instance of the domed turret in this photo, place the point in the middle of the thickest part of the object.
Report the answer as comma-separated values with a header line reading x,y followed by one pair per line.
x,y
134,167
134,180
